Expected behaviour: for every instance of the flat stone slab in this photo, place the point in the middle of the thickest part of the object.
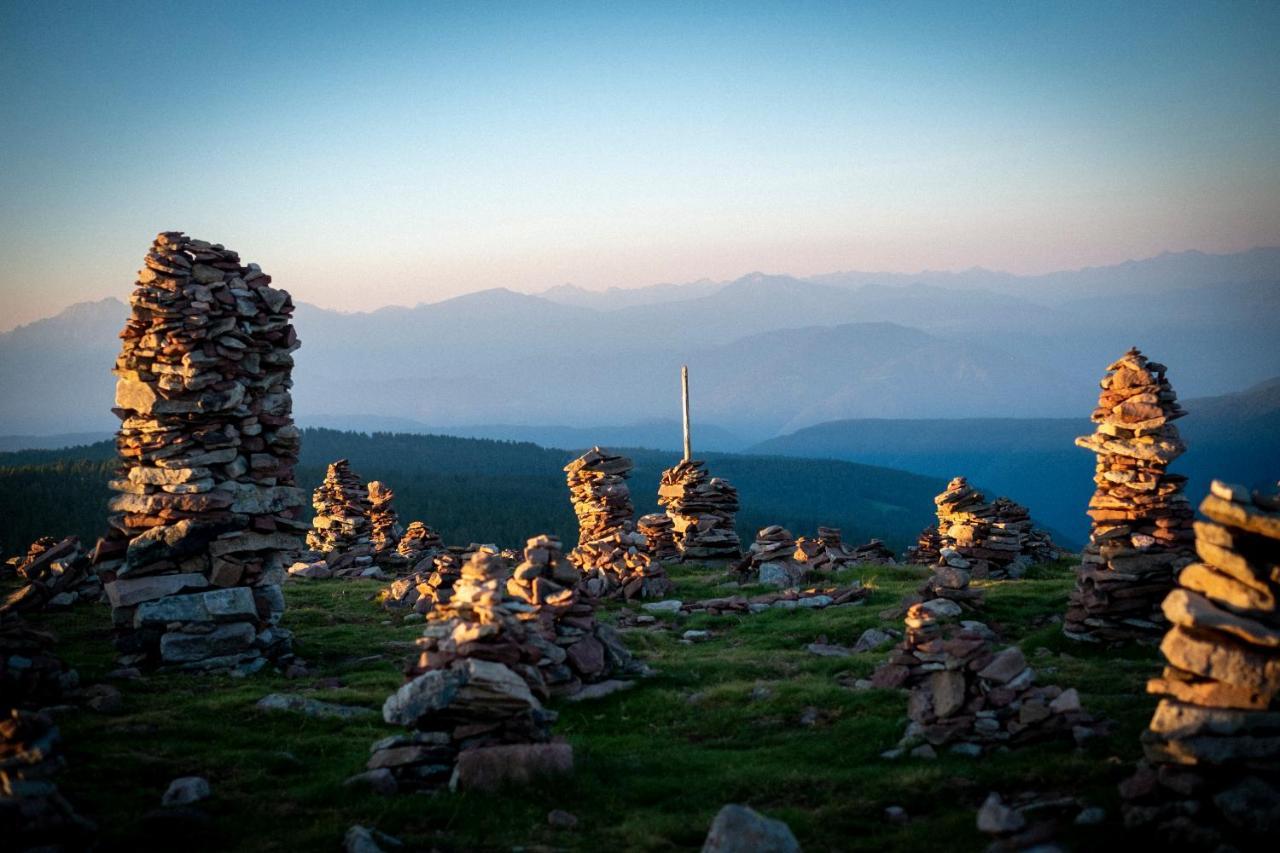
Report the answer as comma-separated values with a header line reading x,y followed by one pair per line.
x,y
309,707
601,689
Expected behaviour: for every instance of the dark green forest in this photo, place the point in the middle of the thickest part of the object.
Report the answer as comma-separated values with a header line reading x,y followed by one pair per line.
x,y
479,490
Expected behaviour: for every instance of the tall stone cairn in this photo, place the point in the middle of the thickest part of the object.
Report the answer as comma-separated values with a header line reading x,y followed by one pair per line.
x,y
384,523
598,488
1141,532
1212,775
996,539
701,508
342,509
207,445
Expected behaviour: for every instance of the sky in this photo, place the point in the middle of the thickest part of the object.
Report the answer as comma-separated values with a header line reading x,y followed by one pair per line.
x,y
381,153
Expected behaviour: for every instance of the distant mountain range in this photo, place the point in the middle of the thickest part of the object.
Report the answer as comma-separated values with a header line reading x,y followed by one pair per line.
x,y
768,354
1233,437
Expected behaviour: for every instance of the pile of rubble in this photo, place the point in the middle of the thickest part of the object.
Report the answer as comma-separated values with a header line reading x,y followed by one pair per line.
x,y
965,695
778,559
384,524
618,566
56,574
207,445
701,508
341,531
659,534
1212,775
1141,534
476,685
874,553
431,583
418,543
996,539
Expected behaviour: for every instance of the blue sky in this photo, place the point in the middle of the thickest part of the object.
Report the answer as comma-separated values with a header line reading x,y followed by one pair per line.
x,y
379,153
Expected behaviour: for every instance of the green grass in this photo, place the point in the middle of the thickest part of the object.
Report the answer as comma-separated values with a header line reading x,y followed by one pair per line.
x,y
720,722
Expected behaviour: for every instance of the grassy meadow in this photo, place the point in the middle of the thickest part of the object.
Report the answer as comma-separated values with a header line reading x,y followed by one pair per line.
x,y
748,716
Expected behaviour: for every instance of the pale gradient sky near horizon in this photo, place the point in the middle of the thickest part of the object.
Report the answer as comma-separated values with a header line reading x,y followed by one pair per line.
x,y
396,153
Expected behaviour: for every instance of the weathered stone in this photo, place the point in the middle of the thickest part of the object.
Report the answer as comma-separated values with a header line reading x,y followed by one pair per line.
x,y
741,829
223,641
491,768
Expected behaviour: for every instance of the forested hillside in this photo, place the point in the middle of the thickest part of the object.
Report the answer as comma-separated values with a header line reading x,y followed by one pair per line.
x,y
493,491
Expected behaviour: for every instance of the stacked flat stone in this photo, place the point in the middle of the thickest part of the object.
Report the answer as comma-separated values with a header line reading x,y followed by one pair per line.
x,y
582,651
659,534
701,508
475,685
997,539
341,522
951,583
207,445
926,550
619,566
601,500
1141,534
56,573
966,695
770,559
874,553
1212,777
418,543
431,583
385,527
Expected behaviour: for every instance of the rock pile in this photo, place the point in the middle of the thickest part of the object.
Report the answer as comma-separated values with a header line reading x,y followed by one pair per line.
x,y
874,553
926,550
583,651
384,523
1212,777
57,574
996,539
418,543
432,582
207,445
1141,532
476,685
601,500
701,509
964,694
619,567
771,559
659,534
341,524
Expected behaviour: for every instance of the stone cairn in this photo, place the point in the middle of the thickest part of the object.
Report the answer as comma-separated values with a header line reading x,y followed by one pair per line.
x,y
996,539
926,551
584,651
385,525
476,685
611,556
207,500
341,531
1141,520
1211,779
873,553
701,509
431,582
770,559
418,543
965,695
659,534
57,574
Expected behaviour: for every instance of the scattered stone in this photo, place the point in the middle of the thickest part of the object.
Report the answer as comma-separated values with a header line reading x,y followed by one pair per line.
x,y
896,814
308,707
1141,533
741,829
828,651
57,574
360,839
186,790
381,781
996,818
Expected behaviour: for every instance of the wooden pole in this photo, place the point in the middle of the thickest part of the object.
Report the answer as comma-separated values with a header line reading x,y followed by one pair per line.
x,y
684,395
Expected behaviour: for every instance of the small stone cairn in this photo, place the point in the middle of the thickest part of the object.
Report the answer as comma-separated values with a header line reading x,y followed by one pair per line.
x,y
701,509
57,575
584,651
873,553
997,539
385,527
206,499
659,533
611,556
476,685
927,549
1211,779
1141,534
432,581
965,695
418,543
341,530
770,559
